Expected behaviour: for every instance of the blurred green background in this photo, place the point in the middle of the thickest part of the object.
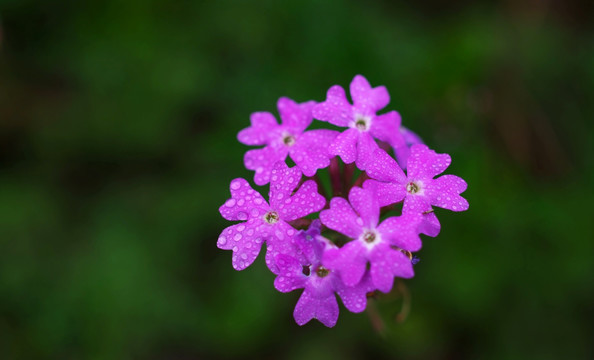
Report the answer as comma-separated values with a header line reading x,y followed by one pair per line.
x,y
118,123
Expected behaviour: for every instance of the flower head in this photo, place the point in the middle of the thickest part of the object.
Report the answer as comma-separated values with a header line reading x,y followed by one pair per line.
x,y
308,149
267,221
357,144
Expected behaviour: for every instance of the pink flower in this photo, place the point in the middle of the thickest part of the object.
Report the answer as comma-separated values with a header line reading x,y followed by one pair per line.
x,y
309,150
318,300
418,188
357,144
372,243
264,222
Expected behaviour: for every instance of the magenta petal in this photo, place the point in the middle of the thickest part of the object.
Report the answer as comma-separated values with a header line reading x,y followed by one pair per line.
x,y
450,183
262,161
364,201
244,240
354,298
305,201
449,200
402,231
336,109
385,127
350,261
241,207
310,152
366,146
295,117
341,217
310,307
366,98
280,239
430,225
290,275
386,193
384,168
419,205
402,154
381,272
401,264
410,138
259,133
386,263
444,193
283,180
424,163
345,146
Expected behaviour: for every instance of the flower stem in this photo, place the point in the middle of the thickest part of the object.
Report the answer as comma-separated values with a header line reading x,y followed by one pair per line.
x,y
335,177
347,176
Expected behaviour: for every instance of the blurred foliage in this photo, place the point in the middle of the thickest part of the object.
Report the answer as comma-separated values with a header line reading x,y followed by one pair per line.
x,y
117,143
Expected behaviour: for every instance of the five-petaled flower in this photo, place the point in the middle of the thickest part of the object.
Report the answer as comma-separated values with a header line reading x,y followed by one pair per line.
x,y
357,144
318,300
267,222
417,188
373,242
308,149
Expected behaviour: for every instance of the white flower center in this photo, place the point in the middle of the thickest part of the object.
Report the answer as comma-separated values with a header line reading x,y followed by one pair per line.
x,y
271,217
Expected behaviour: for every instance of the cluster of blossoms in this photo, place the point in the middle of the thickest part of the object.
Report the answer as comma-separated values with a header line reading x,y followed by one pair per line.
x,y
356,242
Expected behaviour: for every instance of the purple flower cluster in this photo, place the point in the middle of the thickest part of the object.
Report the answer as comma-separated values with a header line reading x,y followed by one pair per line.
x,y
370,244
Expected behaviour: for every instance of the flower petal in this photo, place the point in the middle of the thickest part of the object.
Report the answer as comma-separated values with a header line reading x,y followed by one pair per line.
x,y
295,117
244,203
386,263
310,307
305,201
263,124
384,168
366,146
386,193
262,161
310,152
385,128
424,163
283,180
419,205
336,109
366,99
354,298
350,262
280,239
402,231
444,193
341,217
364,201
245,240
290,275
345,146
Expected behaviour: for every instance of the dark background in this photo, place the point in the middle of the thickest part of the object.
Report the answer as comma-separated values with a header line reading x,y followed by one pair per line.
x,y
118,123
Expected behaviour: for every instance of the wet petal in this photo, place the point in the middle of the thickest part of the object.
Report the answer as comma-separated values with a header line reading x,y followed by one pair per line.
x,y
342,218
310,307
345,146
263,126
336,109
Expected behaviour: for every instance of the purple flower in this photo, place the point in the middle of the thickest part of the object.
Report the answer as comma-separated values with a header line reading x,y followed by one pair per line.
x,y
371,242
319,283
309,150
357,144
264,222
418,188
